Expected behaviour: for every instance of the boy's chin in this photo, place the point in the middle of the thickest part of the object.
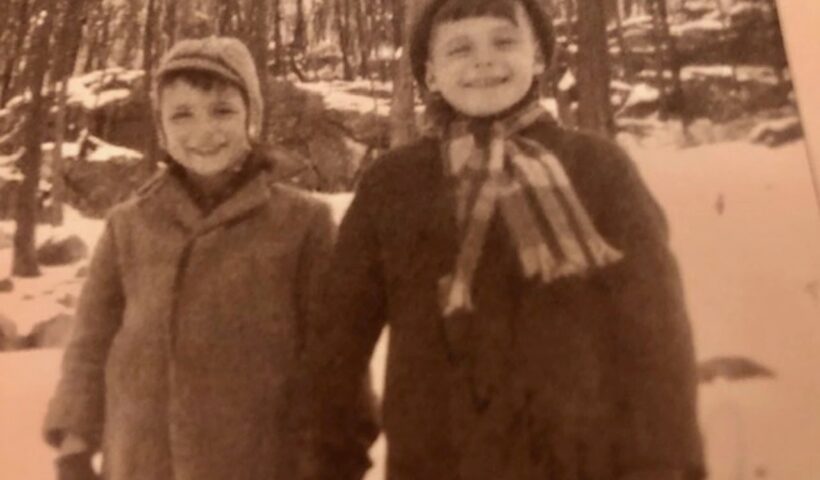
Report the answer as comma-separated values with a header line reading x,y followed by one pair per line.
x,y
484,111
487,105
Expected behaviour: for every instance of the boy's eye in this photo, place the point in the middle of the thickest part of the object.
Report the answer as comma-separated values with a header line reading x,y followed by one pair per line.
x,y
180,115
459,49
505,42
224,111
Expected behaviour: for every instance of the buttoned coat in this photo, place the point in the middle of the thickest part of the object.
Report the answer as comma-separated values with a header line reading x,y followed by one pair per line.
x,y
188,332
585,378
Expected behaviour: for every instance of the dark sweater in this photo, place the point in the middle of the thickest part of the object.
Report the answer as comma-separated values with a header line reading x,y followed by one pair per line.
x,y
584,378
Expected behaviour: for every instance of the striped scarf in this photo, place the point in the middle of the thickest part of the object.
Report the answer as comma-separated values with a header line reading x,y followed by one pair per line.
x,y
552,232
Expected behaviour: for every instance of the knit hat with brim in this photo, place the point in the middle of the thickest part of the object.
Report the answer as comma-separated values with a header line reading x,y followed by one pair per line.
x,y
422,29
225,57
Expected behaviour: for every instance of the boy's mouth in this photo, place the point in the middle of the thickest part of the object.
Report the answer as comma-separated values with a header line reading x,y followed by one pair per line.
x,y
486,82
206,152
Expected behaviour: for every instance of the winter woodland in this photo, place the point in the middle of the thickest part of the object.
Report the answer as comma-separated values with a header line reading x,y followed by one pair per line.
x,y
698,91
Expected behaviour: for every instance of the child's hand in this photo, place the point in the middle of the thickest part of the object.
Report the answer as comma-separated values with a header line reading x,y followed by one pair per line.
x,y
76,467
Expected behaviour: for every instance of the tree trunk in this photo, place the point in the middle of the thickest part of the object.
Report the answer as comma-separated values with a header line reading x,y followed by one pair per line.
x,y
379,38
402,109
170,21
594,109
300,29
105,43
672,100
69,39
259,48
227,11
278,50
365,35
343,27
11,62
25,254
626,70
132,31
148,41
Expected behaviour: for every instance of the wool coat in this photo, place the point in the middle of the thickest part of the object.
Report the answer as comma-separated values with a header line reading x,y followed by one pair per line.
x,y
189,333
585,378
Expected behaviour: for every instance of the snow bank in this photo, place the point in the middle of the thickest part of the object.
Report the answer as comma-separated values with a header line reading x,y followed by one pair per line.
x,y
337,99
744,73
102,87
706,25
641,93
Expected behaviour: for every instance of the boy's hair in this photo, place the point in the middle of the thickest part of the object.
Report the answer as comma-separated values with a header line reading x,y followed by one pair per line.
x,y
441,11
201,79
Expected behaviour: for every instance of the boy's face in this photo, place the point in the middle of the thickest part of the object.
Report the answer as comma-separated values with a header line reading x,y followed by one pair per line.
x,y
483,65
205,130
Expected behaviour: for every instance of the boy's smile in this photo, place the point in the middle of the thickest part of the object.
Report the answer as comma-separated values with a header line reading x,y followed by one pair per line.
x,y
483,65
206,130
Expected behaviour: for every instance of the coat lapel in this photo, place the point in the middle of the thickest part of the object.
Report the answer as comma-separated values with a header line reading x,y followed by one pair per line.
x,y
174,203
252,195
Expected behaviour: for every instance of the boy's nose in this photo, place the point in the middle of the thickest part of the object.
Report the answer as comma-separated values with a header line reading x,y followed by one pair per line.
x,y
205,133
484,57
207,126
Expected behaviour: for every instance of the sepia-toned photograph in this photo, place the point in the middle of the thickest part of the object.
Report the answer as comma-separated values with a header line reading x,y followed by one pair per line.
x,y
409,240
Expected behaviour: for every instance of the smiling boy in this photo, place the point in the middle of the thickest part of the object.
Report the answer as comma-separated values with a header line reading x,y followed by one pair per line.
x,y
537,323
184,360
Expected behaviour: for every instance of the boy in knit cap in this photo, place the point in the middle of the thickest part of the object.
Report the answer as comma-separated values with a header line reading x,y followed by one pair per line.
x,y
191,325
537,323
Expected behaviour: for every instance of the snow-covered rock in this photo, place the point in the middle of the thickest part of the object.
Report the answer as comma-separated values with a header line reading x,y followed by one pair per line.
x,y
101,88
777,132
61,251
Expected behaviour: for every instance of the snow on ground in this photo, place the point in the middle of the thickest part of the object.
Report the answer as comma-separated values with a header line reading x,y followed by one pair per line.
x,y
746,230
752,277
34,300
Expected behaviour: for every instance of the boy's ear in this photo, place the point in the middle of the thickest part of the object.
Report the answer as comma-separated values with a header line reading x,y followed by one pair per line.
x,y
430,78
540,64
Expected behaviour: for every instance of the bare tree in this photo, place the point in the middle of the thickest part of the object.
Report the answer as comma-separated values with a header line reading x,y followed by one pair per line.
x,y
364,29
17,52
594,109
342,11
25,255
68,38
402,109
131,29
278,39
672,100
259,47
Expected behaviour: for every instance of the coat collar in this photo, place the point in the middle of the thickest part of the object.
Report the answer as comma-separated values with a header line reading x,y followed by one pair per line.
x,y
170,198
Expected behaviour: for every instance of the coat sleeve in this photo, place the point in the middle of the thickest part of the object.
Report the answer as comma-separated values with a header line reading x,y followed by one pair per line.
x,y
654,372
339,346
79,402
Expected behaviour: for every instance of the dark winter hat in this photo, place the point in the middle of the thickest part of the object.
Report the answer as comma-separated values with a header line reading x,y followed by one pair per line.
x,y
225,57
422,29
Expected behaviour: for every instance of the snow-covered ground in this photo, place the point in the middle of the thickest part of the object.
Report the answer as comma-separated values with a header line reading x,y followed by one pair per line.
x,y
746,229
